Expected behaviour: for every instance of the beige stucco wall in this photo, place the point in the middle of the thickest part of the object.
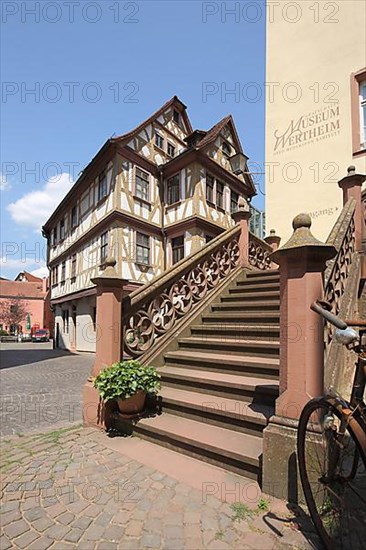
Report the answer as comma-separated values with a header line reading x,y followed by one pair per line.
x,y
309,65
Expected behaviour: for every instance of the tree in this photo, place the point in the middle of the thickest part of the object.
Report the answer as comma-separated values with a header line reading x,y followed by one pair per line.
x,y
13,311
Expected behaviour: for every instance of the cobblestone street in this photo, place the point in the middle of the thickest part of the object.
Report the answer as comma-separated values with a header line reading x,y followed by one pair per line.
x,y
72,489
40,388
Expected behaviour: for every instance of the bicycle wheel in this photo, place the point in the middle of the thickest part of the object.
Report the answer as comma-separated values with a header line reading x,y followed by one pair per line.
x,y
332,469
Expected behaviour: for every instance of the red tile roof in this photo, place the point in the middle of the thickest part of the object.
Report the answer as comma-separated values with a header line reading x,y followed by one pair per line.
x,y
10,289
29,277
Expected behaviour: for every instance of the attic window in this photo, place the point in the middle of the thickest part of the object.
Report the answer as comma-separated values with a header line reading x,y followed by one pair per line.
x,y
226,149
176,116
159,140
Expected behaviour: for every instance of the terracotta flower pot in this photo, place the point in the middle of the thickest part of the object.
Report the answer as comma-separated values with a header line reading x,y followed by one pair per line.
x,y
132,405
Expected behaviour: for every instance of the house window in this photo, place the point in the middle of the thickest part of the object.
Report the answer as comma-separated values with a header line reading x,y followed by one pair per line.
x,y
54,241
219,194
142,185
234,201
73,266
103,247
74,217
173,189
55,275
210,188
159,140
178,249
226,149
176,116
63,272
171,150
142,249
62,229
102,185
363,114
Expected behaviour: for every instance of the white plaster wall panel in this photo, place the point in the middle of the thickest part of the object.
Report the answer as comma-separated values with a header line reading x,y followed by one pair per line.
x,y
86,334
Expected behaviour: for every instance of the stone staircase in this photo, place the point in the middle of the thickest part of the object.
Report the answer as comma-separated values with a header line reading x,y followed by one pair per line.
x,y
219,386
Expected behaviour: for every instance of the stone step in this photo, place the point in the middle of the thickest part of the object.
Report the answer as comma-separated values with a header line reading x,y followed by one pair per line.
x,y
247,305
254,389
237,332
212,345
248,317
259,280
250,287
253,296
235,451
266,367
222,411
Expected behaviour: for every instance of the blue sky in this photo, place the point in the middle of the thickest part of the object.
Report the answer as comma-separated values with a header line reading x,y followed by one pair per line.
x,y
101,70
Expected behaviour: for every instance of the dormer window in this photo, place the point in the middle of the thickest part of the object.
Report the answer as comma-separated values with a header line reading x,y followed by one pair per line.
x,y
176,116
159,140
226,149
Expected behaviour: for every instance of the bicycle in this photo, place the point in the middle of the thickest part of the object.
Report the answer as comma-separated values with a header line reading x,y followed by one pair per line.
x,y
331,447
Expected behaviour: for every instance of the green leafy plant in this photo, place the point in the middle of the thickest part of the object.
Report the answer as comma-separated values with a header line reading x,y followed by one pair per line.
x,y
263,505
241,511
124,379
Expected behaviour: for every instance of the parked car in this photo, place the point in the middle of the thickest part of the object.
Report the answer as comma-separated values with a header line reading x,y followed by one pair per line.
x,y
41,335
25,337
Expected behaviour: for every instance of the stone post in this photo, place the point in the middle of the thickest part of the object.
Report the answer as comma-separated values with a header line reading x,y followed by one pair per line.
x,y
242,216
301,262
109,340
351,186
273,240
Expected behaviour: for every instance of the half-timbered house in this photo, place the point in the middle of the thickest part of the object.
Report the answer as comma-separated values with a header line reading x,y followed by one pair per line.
x,y
148,198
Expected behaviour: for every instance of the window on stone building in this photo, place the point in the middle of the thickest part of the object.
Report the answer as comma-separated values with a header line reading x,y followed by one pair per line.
x,y
103,247
358,112
55,275
173,189
219,194
102,185
234,201
142,190
177,249
142,248
170,150
54,239
63,271
226,148
62,229
159,140
210,182
74,217
363,114
73,266
176,116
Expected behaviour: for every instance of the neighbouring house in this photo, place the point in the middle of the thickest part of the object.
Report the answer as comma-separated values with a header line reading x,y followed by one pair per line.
x,y
148,198
315,111
25,304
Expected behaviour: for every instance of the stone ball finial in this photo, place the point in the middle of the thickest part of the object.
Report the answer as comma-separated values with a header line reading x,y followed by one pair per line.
x,y
272,232
301,220
110,261
351,169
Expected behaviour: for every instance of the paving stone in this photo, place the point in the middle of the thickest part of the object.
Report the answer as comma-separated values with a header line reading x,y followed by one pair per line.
x,y
10,517
94,533
16,529
34,513
104,519
173,544
106,545
25,540
134,528
5,543
74,535
82,522
150,540
114,533
66,518
42,524
57,532
41,544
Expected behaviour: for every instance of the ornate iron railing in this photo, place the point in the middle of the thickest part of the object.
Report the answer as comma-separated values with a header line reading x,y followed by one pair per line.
x,y
152,311
337,273
259,252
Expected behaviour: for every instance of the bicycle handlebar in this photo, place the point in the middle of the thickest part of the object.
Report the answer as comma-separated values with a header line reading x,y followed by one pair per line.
x,y
322,308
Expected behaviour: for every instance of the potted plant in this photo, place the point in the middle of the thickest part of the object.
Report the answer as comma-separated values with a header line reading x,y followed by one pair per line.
x,y
128,382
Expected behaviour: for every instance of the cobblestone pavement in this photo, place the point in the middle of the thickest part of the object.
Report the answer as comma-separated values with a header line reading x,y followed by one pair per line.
x,y
70,489
40,387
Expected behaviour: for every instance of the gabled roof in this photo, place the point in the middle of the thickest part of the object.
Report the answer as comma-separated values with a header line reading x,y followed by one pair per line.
x,y
214,132
28,277
174,100
13,289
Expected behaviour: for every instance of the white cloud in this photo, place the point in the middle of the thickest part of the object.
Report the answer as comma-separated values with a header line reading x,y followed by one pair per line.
x,y
34,208
4,184
40,272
